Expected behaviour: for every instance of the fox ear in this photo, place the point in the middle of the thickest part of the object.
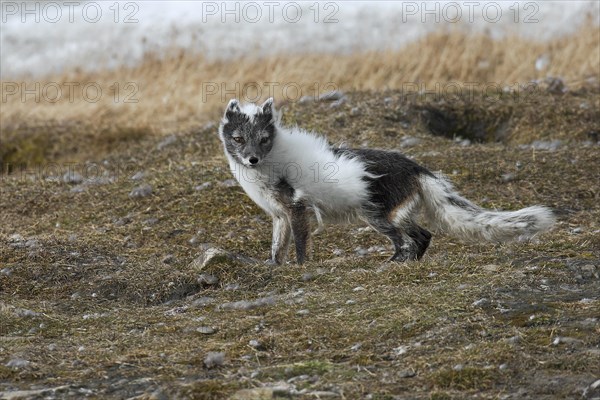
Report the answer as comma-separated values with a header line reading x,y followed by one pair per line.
x,y
267,107
232,108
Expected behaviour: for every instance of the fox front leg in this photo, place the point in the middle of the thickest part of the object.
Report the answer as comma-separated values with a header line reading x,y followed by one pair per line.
x,y
282,233
300,229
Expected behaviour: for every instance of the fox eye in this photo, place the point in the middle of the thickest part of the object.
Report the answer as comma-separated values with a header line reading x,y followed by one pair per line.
x,y
239,139
264,140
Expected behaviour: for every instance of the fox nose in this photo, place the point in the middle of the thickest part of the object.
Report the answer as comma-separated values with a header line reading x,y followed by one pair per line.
x,y
253,160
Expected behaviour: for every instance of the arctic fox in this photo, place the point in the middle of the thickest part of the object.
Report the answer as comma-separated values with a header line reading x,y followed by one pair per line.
x,y
293,174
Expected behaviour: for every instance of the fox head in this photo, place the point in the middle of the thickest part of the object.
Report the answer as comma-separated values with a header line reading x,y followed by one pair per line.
x,y
248,131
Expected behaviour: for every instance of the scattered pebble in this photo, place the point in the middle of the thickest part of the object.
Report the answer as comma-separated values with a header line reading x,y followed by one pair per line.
x,y
249,305
552,145
138,176
303,312
480,303
203,301
338,252
509,177
361,251
203,186
22,312
229,183
214,359
356,347
565,340
17,363
206,330
354,111
256,344
334,95
232,286
338,103
168,259
141,191
6,271
490,268
208,279
409,141
168,141
72,177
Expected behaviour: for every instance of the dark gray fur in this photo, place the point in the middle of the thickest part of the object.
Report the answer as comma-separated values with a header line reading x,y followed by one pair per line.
x,y
396,181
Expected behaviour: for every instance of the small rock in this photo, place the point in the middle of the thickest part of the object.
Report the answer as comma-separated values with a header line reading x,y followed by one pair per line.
x,y
17,363
407,373
22,312
206,330
202,302
480,303
203,186
303,312
355,111
256,344
213,255
229,183
232,286
356,347
361,251
72,177
168,141
409,141
576,230
388,101
546,145
337,103
150,221
6,271
138,176
458,367
490,268
332,96
141,191
214,359
565,340
15,238
513,339
168,259
508,177
306,99
338,252
307,276
51,347
358,289
249,305
208,279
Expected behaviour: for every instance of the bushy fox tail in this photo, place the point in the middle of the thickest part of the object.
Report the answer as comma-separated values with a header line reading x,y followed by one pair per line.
x,y
450,212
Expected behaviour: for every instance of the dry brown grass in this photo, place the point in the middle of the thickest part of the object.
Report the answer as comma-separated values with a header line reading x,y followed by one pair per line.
x,y
172,92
